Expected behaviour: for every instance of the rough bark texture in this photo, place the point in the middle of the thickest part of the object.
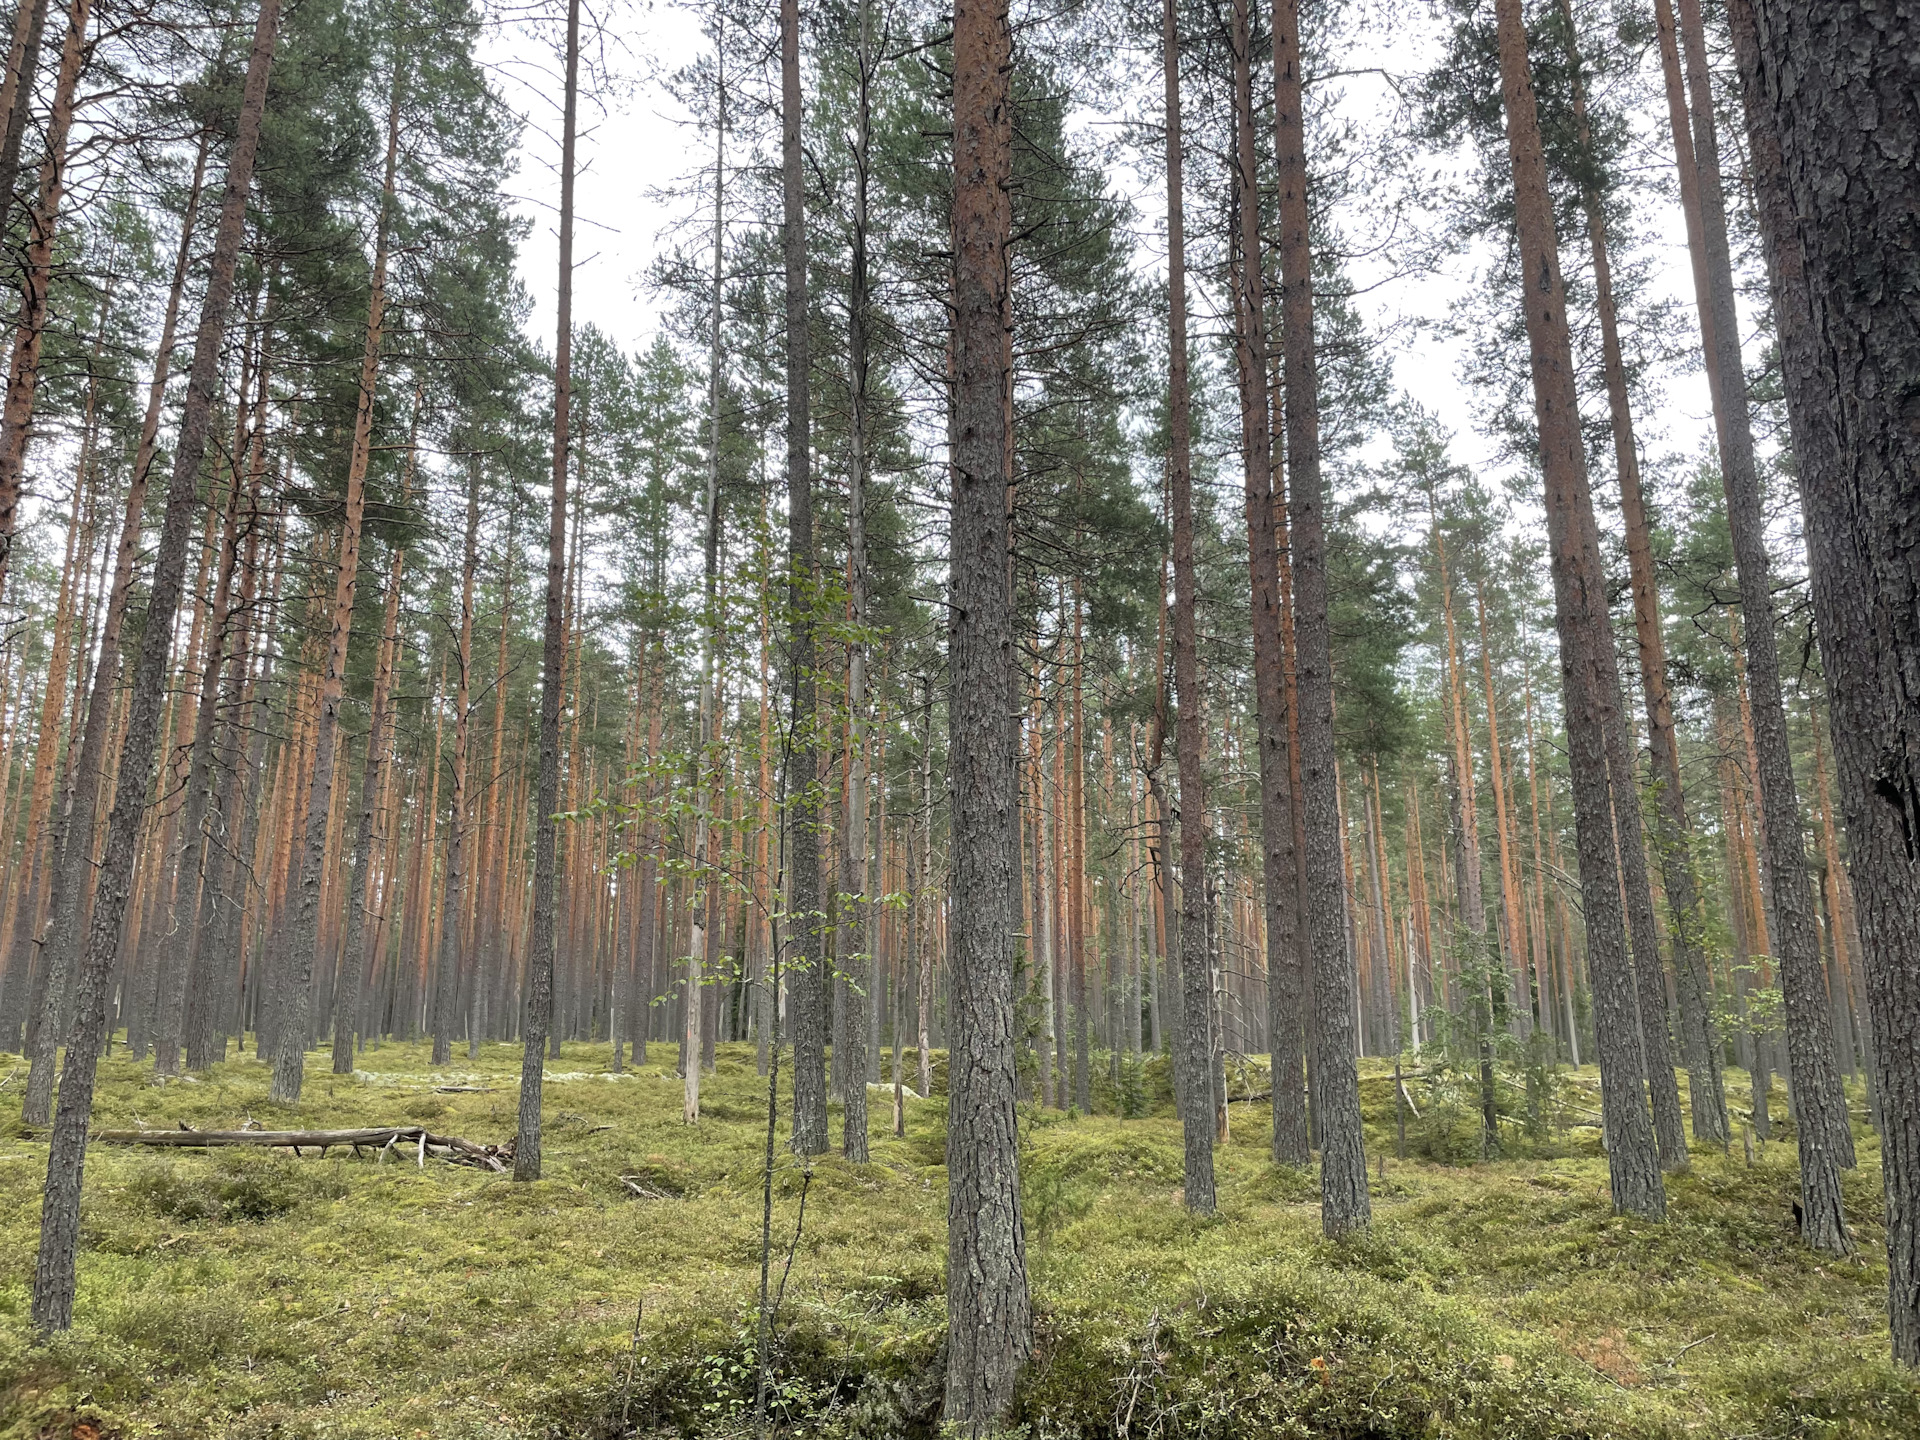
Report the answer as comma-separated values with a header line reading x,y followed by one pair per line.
x,y
856,860
537,1019
1286,1035
176,947
53,1281
206,961
1649,975
1194,1058
446,1018
1819,1103
1589,675
805,964
989,1314
1344,1204
1701,1044
356,960
16,98
1833,95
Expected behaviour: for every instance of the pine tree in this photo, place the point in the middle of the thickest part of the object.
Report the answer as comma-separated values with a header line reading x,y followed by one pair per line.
x,y
1813,74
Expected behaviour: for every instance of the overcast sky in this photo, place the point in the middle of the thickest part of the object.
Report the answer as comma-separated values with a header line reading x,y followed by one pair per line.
x,y
636,140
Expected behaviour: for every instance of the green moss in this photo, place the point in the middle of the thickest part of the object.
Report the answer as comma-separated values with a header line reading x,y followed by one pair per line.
x,y
239,1294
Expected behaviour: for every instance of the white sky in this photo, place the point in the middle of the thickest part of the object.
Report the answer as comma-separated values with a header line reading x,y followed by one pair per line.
x,y
639,141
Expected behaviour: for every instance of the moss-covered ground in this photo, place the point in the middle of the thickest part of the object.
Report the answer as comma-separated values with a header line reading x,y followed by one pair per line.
x,y
244,1294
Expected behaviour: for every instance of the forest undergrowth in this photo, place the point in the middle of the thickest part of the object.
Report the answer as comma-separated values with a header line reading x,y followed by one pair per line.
x,y
242,1293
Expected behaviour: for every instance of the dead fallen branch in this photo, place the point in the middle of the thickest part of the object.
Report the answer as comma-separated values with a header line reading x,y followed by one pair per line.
x,y
639,1185
382,1139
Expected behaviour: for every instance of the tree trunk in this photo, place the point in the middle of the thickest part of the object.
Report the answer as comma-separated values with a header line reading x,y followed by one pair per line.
x,y
1825,1142
1586,646
537,1019
1344,1204
46,822
923,900
1286,1036
23,378
176,948
356,960
1475,982
805,964
1832,112
1520,991
1194,1057
294,1022
53,1283
1700,1037
454,880
1074,815
855,941
989,1317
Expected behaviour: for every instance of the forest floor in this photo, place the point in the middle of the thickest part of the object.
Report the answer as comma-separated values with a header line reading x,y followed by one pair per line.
x,y
247,1294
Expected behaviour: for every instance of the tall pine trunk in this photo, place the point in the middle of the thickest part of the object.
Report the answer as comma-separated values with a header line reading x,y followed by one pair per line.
x,y
537,1016
1586,643
1833,113
1285,980
805,962
1820,1110
1700,1039
988,1311
855,940
356,959
53,1281
71,878
1193,1061
1344,1204
453,950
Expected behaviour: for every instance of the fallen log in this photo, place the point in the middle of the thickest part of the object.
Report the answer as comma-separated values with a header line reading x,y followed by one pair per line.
x,y
450,1148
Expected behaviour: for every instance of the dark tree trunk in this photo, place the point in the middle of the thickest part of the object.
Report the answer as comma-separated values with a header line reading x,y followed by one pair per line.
x,y
214,968
989,1316
53,1281
1833,107
454,883
537,1019
1819,1103
855,910
1700,1036
805,963
1286,1036
1649,973
1344,1204
1591,676
356,961
176,948
1194,1056
16,98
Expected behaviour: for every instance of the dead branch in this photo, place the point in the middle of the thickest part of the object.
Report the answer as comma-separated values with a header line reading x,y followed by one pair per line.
x,y
638,1185
382,1139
